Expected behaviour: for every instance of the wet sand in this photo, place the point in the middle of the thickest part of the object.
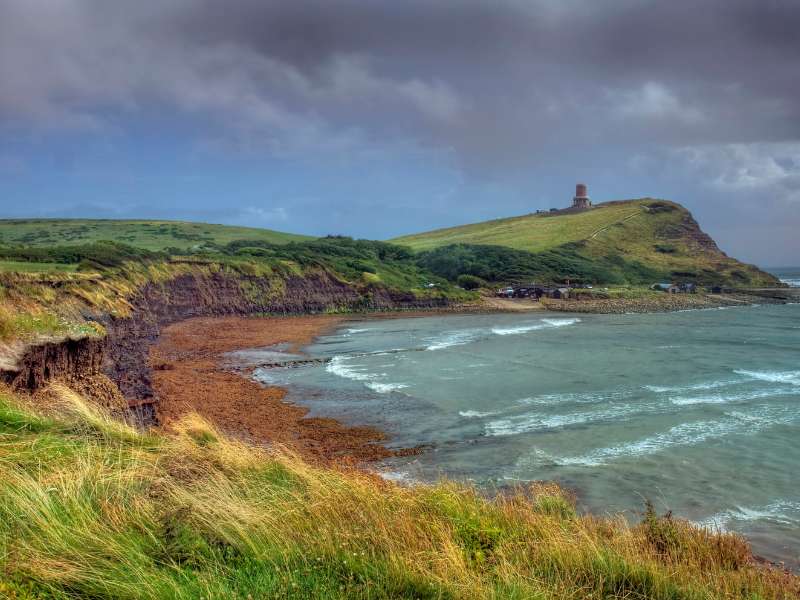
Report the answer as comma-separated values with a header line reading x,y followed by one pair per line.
x,y
189,375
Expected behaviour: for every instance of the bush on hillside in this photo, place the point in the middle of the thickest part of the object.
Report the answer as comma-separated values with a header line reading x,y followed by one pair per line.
x,y
100,254
507,265
344,255
470,282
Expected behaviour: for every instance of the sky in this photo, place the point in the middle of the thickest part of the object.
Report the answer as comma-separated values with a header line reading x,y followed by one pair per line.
x,y
377,118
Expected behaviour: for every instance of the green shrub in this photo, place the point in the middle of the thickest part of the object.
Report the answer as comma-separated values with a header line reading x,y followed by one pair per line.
x,y
103,254
499,264
470,282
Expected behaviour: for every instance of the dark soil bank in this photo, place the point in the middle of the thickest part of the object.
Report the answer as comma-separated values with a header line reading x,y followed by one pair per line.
x,y
122,355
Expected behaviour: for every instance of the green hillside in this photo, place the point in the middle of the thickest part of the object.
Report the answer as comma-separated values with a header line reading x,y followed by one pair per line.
x,y
151,235
639,239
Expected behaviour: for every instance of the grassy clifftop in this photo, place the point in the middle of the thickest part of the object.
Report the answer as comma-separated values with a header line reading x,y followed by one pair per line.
x,y
59,290
90,508
660,236
151,235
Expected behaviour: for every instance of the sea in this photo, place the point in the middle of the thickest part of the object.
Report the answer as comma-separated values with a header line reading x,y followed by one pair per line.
x,y
696,411
788,275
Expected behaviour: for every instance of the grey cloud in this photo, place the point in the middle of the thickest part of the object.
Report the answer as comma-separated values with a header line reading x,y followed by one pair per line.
x,y
525,71
499,87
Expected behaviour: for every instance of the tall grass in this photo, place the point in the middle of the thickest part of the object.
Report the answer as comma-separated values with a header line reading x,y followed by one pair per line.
x,y
91,508
22,325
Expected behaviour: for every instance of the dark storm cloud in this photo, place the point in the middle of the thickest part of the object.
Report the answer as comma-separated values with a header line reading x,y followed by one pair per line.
x,y
498,87
513,74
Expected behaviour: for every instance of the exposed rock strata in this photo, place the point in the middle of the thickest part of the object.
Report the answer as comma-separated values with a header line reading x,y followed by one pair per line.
x,y
122,355
39,364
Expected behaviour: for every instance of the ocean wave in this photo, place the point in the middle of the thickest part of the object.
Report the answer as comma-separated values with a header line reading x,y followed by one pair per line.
x,y
725,398
782,511
791,377
354,330
385,388
475,414
536,422
561,322
706,385
578,398
452,338
536,457
467,336
387,352
517,330
541,324
338,366
686,434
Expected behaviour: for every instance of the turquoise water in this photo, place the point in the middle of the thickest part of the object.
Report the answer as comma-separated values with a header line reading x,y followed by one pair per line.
x,y
698,411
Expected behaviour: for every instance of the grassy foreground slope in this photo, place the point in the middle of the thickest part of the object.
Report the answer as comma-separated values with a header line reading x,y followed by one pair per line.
x,y
90,508
151,235
661,236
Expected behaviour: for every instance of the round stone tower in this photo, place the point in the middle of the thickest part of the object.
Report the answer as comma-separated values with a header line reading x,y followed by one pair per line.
x,y
581,199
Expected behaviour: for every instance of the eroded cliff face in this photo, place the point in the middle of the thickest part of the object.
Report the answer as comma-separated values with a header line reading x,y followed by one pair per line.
x,y
76,363
39,364
122,356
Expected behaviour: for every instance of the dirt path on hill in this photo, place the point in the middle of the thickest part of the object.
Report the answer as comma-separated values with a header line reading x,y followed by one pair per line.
x,y
602,229
188,376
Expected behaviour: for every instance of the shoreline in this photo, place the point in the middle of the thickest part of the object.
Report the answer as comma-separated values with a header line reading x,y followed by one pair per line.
x,y
661,303
191,373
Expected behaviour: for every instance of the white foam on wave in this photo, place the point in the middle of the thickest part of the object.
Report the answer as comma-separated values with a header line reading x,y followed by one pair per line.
x,y
541,324
338,366
561,322
782,511
354,330
791,377
475,414
705,385
578,398
467,336
726,398
536,457
686,434
536,422
385,388
517,330
453,338
791,281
